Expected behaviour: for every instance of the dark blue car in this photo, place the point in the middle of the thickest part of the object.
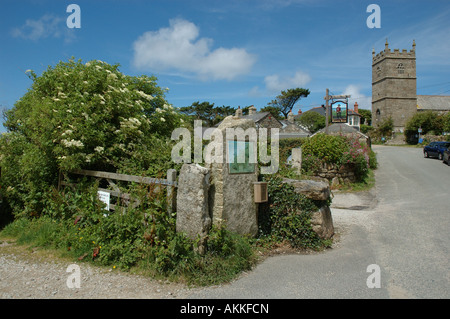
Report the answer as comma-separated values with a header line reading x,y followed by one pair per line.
x,y
435,149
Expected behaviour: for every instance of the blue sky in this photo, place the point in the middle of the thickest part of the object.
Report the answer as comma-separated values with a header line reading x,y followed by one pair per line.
x,y
228,52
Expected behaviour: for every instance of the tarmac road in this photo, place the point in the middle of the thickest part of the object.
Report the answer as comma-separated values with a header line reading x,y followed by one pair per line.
x,y
401,226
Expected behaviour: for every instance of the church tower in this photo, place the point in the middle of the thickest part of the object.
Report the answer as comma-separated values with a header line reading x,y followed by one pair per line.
x,y
394,86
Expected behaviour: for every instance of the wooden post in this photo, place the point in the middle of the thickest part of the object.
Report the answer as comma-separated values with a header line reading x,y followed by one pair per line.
x,y
171,192
327,97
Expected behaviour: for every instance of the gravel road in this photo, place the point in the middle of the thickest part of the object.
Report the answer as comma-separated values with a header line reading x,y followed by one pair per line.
x,y
23,275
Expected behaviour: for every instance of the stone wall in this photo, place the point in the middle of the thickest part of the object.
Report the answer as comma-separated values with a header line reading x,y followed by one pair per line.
x,y
196,194
337,174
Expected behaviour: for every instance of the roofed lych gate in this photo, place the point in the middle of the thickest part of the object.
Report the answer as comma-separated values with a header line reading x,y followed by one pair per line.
x,y
125,200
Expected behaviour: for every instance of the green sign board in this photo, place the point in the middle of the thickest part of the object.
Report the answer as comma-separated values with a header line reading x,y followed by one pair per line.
x,y
239,155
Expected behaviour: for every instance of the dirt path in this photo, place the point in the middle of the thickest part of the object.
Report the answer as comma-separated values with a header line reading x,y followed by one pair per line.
x,y
25,274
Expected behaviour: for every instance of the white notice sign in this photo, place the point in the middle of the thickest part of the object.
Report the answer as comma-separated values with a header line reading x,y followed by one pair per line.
x,y
104,197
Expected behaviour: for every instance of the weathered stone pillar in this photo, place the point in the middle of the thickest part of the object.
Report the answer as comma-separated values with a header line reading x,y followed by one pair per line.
x,y
231,196
193,217
296,159
322,220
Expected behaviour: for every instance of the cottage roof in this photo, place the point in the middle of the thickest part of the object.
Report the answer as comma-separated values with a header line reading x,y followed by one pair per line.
x,y
433,102
256,117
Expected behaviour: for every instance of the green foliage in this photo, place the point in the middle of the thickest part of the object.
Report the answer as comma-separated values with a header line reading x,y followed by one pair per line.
x,y
145,238
83,115
373,162
313,121
429,121
383,130
446,120
366,116
286,145
340,151
207,112
365,128
386,127
288,217
327,148
275,111
286,100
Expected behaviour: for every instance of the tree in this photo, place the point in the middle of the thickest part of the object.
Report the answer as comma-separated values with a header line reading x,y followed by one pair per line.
x,y
428,121
207,112
446,122
84,116
275,111
385,128
366,116
313,121
287,99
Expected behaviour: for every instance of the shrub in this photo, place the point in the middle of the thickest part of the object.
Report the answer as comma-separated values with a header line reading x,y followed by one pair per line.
x,y
328,148
429,121
337,150
288,217
83,115
357,157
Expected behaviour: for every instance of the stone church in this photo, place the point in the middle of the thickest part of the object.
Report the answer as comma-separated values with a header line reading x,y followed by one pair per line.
x,y
394,88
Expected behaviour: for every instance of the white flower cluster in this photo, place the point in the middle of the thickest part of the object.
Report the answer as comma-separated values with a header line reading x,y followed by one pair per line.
x,y
72,143
112,76
68,132
145,95
132,123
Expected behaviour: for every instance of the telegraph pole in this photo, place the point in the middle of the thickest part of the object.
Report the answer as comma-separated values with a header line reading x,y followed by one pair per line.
x,y
327,98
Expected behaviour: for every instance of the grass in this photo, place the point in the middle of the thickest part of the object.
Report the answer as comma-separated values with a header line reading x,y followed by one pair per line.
x,y
361,186
215,267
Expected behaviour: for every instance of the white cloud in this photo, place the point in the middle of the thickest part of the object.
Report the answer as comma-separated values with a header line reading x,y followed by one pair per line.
x,y
46,26
364,102
276,83
179,48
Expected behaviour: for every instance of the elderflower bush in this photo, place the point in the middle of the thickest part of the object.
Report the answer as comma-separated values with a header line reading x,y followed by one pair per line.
x,y
91,116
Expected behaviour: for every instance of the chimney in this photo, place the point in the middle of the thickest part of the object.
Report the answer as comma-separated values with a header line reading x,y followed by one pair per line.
x,y
356,107
238,112
251,110
290,117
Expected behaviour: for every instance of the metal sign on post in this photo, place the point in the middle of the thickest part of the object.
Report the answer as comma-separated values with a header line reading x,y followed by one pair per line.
x,y
104,197
338,110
